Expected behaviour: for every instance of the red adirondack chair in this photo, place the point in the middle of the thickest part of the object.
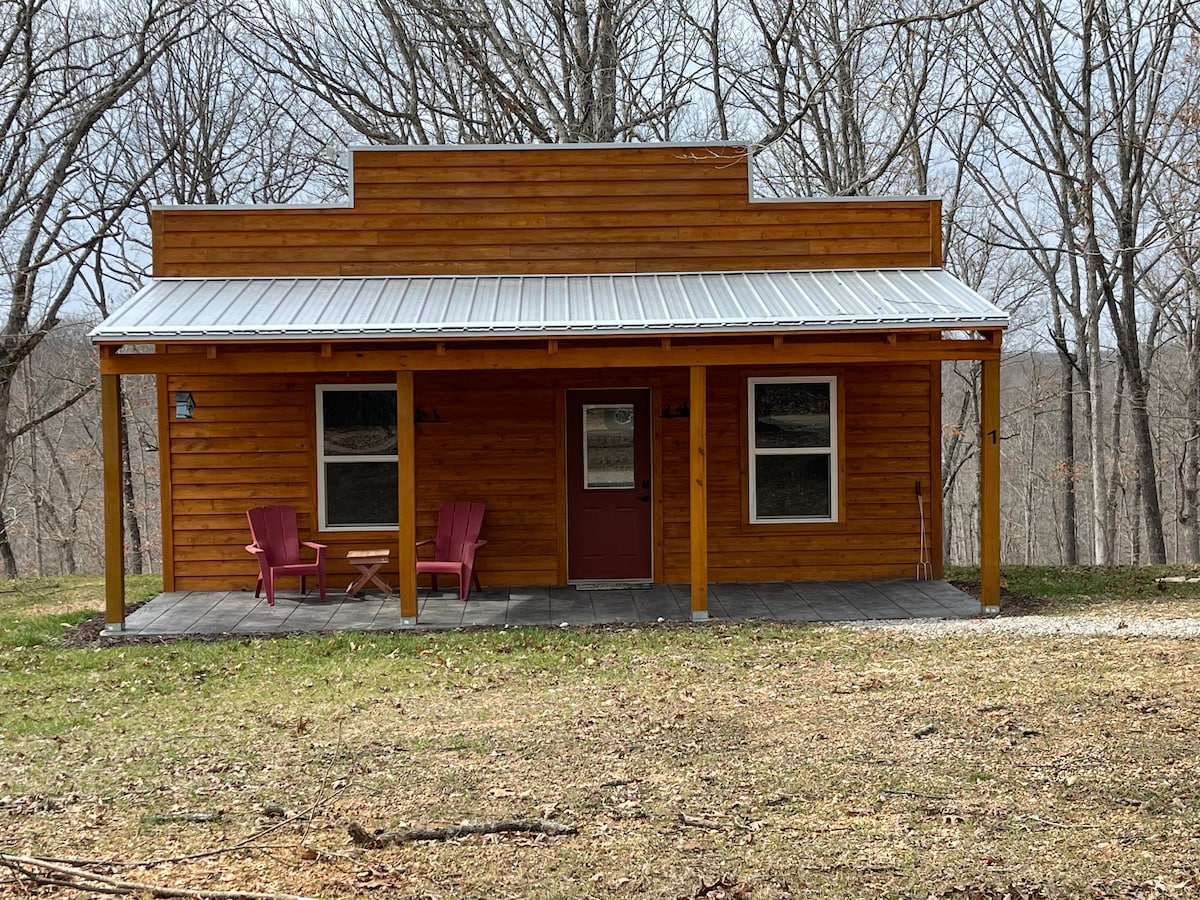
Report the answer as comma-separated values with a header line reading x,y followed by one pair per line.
x,y
454,550
276,545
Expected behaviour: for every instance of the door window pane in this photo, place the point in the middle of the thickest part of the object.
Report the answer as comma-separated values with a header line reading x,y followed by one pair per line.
x,y
608,455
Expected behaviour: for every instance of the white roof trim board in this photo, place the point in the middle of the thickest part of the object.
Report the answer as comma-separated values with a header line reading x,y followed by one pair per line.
x,y
471,306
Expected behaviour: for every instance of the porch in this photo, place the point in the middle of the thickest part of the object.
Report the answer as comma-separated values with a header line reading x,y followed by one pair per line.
x,y
239,612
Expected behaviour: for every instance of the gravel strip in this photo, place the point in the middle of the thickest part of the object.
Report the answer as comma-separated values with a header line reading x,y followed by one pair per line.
x,y
1111,626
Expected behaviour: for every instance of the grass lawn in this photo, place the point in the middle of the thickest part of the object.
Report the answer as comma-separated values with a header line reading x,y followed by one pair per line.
x,y
735,761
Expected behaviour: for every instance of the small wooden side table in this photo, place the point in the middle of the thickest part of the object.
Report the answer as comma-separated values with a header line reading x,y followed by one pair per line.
x,y
368,563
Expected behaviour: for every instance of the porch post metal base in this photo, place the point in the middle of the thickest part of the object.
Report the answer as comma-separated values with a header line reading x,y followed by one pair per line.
x,y
408,621
699,616
991,610
114,628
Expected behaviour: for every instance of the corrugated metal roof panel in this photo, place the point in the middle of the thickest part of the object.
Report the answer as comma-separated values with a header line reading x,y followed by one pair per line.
x,y
183,309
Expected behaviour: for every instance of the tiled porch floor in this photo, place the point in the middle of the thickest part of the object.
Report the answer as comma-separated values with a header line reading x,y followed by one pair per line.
x,y
238,612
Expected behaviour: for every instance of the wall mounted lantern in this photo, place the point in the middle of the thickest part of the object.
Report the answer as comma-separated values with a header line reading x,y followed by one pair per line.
x,y
184,404
676,412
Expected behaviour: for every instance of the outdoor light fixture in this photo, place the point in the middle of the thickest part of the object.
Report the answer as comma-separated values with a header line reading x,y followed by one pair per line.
x,y
184,404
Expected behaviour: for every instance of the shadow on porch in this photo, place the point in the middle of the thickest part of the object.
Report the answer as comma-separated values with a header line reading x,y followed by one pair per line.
x,y
238,612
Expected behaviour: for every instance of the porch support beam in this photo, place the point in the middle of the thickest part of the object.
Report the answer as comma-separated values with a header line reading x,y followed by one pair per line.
x,y
406,459
989,486
698,468
283,357
114,504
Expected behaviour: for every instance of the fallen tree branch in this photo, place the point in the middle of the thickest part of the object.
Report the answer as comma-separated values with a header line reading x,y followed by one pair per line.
x,y
169,818
33,868
379,839
697,822
1052,824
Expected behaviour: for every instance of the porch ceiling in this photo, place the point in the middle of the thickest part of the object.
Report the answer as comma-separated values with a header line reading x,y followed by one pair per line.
x,y
489,306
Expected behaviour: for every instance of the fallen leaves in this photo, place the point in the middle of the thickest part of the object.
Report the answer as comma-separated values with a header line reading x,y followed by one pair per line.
x,y
1058,761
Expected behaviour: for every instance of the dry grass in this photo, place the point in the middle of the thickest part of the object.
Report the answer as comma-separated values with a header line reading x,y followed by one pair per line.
x,y
811,761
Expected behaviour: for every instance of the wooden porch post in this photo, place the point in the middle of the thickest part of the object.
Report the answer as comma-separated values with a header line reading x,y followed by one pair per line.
x,y
698,424
406,461
989,486
114,504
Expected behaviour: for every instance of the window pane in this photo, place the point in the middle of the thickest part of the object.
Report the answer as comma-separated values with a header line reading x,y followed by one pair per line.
x,y
359,423
793,487
608,446
361,493
788,414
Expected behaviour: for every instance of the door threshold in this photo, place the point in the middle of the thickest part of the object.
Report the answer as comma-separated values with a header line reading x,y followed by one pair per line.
x,y
628,584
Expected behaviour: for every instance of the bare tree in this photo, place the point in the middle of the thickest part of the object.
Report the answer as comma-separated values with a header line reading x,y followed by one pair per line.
x,y
63,68
485,71
1078,103
848,94
52,489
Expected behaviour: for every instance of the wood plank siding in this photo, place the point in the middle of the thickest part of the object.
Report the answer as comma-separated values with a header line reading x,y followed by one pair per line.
x,y
547,211
500,442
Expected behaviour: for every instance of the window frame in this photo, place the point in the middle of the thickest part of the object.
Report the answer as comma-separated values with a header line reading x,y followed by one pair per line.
x,y
831,451
322,487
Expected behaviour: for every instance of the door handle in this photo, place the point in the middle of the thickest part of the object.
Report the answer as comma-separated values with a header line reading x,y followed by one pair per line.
x,y
646,484
645,499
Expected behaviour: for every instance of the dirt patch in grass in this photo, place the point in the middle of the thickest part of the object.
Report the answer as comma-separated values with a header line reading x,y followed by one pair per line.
x,y
736,761
1011,603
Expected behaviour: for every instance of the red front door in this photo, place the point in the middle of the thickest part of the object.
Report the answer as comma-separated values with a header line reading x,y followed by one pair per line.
x,y
608,485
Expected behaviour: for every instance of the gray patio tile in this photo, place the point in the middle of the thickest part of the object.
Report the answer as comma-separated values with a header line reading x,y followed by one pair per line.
x,y
201,612
441,615
739,601
572,607
307,618
665,608
388,619
614,606
798,611
528,606
360,621
880,609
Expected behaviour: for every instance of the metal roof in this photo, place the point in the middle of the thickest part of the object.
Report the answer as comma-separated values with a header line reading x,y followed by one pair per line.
x,y
465,306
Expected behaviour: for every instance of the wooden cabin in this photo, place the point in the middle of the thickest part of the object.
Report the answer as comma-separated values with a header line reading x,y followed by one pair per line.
x,y
643,370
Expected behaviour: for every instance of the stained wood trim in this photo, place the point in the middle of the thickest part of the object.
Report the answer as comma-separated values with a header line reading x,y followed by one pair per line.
x,y
935,234
743,414
936,526
842,454
698,505
407,500
658,551
560,493
166,480
989,485
114,502
272,358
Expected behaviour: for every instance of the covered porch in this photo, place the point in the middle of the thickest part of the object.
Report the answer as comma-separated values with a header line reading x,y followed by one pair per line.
x,y
183,613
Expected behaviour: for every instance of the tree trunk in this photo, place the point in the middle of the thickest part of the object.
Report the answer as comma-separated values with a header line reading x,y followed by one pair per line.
x,y
1116,481
1147,473
133,529
1191,456
1093,403
1066,424
6,442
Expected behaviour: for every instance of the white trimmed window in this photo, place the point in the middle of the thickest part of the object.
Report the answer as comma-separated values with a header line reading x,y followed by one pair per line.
x,y
793,449
357,481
